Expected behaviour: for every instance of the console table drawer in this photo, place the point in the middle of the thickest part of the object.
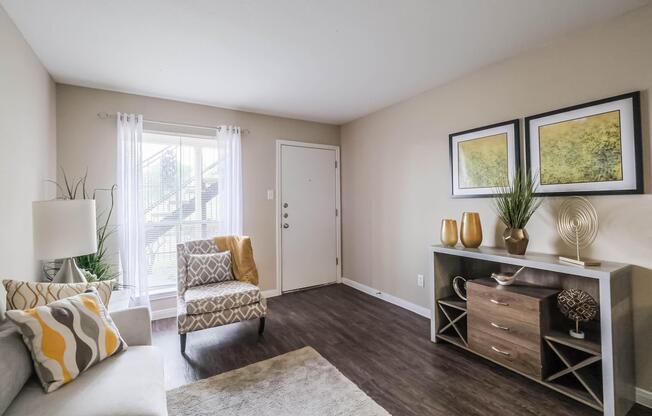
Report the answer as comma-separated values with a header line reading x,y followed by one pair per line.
x,y
507,328
503,304
524,360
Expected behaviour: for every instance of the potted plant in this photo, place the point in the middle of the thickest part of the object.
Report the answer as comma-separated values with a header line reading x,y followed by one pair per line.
x,y
515,204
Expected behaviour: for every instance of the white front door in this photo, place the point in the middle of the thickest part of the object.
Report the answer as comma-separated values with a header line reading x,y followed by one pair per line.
x,y
308,198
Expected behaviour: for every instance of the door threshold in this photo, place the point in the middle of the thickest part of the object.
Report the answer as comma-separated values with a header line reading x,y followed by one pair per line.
x,y
283,292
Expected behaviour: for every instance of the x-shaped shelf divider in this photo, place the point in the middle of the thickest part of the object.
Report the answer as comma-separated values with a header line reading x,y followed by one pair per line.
x,y
452,321
590,348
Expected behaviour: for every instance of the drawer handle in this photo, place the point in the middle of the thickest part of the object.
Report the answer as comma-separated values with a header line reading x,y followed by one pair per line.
x,y
497,302
495,325
499,351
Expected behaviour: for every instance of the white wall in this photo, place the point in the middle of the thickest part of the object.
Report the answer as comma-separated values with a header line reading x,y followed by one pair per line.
x,y
27,149
395,167
86,141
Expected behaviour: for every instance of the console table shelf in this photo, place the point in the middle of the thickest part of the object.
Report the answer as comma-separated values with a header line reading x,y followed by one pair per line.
x,y
453,340
456,321
589,390
454,302
597,371
589,346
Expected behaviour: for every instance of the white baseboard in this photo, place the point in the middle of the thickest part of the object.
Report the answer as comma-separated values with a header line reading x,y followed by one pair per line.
x,y
419,310
164,314
644,397
271,293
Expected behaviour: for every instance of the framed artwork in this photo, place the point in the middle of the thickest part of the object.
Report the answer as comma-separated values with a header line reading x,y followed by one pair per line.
x,y
588,149
483,159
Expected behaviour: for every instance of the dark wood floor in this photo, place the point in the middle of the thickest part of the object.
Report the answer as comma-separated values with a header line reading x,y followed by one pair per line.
x,y
382,348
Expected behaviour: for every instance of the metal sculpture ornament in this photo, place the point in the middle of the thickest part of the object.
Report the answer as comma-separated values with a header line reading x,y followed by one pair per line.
x,y
577,225
579,306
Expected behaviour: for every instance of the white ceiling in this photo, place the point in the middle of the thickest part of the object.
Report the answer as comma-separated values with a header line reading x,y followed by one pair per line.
x,y
322,60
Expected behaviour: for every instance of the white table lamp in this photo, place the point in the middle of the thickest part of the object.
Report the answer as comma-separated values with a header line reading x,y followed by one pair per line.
x,y
63,229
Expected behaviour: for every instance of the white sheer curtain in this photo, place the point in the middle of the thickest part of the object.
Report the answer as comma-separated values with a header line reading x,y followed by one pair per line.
x,y
130,212
230,179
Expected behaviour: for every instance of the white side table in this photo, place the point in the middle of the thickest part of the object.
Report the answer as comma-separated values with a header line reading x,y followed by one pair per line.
x,y
120,299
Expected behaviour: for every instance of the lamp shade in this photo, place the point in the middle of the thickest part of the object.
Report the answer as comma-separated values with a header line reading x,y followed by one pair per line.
x,y
64,228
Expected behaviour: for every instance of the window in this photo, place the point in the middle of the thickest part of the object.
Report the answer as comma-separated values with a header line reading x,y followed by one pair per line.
x,y
181,199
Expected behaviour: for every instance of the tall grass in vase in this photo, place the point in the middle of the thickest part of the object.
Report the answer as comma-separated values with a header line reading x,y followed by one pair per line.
x,y
515,204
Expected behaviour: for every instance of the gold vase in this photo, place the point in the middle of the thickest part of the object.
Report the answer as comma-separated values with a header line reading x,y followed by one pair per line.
x,y
516,240
471,230
449,232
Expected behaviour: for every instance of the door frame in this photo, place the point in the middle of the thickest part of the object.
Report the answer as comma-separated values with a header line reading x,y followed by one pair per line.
x,y
338,207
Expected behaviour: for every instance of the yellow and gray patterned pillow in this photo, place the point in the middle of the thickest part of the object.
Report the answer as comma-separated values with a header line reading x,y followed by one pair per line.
x,y
67,337
26,295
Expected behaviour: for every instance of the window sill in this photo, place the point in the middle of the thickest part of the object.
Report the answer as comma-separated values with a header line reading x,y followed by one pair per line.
x,y
164,293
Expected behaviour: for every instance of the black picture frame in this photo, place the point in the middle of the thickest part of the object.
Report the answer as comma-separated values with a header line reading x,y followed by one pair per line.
x,y
515,142
637,146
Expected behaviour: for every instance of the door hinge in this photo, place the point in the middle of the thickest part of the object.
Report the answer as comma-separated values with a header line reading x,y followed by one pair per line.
x,y
336,164
337,261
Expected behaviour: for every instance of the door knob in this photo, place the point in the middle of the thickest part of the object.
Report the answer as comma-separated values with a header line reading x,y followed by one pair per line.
x,y
285,215
286,225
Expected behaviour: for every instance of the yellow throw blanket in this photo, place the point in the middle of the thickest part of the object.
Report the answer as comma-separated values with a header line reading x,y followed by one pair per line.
x,y
242,257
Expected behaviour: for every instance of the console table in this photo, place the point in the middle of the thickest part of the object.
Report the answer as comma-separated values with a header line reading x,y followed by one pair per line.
x,y
520,327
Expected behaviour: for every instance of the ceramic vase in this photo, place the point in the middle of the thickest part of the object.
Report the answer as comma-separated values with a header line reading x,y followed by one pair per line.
x,y
449,232
471,230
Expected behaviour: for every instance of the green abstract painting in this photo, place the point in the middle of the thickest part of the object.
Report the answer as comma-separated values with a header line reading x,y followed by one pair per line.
x,y
581,150
483,162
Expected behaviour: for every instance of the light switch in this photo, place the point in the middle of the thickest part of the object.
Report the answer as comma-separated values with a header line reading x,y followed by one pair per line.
x,y
270,194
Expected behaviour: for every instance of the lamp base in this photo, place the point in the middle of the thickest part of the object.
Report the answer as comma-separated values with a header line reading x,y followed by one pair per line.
x,y
576,262
69,273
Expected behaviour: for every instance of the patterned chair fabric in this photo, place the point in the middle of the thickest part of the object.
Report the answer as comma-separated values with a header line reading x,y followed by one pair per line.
x,y
215,297
189,323
191,247
213,304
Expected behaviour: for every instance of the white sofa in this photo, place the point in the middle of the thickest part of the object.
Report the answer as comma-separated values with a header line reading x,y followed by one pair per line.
x,y
130,383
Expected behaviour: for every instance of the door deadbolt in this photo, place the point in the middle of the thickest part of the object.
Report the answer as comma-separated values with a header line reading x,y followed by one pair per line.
x,y
285,205
285,215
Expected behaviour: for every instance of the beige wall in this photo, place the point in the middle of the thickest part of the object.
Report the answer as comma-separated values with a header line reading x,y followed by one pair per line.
x,y
27,149
84,140
395,165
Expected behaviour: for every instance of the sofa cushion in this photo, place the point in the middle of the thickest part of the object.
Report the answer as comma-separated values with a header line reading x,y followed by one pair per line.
x,y
67,337
15,364
217,297
208,268
26,295
131,383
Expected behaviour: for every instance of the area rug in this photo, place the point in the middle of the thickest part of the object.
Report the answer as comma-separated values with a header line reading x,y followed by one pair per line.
x,y
301,382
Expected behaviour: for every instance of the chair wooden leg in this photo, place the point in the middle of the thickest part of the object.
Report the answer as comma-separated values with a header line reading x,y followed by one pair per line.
x,y
182,341
261,326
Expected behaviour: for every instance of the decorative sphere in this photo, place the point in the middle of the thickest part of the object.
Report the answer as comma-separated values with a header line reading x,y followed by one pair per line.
x,y
577,305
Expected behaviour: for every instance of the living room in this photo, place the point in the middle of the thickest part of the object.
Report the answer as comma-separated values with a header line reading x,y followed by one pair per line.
x,y
307,208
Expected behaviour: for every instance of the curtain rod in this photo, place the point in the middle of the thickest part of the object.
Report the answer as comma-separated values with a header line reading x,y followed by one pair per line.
x,y
105,115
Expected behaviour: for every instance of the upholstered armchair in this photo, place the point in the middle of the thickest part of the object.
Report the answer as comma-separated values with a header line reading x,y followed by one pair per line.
x,y
208,295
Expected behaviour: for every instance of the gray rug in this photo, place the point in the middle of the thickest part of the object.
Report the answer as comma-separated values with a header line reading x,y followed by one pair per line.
x,y
300,382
